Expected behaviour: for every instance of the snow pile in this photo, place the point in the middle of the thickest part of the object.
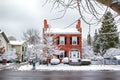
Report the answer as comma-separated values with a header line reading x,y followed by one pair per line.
x,y
65,67
112,52
55,61
26,67
65,60
85,60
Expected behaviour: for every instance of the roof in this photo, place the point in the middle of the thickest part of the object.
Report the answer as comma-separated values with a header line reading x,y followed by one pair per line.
x,y
62,31
16,42
117,57
5,37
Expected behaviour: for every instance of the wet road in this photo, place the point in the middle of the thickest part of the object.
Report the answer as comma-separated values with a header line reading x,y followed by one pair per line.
x,y
59,75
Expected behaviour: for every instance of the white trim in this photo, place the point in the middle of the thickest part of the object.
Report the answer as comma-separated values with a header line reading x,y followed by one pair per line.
x,y
78,56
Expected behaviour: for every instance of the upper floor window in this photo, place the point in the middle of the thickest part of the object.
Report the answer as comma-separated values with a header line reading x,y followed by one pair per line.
x,y
62,40
74,40
23,49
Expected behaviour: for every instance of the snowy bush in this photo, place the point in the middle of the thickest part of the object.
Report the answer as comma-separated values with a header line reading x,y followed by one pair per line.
x,y
85,62
87,51
9,55
55,61
65,60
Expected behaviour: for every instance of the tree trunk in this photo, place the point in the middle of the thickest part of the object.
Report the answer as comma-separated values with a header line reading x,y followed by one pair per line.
x,y
109,3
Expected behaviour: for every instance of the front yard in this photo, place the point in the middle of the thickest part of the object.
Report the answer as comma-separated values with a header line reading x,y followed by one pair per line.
x,y
65,67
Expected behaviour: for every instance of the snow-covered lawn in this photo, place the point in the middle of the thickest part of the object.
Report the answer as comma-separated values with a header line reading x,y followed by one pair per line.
x,y
8,65
65,67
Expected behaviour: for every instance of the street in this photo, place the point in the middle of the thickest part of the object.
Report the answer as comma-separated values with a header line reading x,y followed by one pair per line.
x,y
59,75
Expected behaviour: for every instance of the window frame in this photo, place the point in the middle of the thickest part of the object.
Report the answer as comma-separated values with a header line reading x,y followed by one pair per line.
x,y
74,38
63,54
62,41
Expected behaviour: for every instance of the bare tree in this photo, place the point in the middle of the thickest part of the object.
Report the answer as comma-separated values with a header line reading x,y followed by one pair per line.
x,y
113,4
94,8
50,49
32,36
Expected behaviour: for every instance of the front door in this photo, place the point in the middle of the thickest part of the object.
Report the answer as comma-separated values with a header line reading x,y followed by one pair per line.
x,y
74,54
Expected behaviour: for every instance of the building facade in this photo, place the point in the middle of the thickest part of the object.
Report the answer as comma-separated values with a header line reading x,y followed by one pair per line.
x,y
69,40
20,47
3,43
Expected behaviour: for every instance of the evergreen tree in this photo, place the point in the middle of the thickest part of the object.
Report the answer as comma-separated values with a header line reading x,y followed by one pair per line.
x,y
105,38
95,43
89,40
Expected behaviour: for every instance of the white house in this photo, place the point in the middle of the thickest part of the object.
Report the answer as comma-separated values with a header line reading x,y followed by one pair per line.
x,y
3,41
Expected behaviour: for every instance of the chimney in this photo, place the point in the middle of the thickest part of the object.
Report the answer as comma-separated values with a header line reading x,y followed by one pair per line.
x,y
45,24
78,26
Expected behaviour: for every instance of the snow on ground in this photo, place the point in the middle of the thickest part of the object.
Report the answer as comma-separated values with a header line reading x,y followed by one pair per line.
x,y
8,65
65,67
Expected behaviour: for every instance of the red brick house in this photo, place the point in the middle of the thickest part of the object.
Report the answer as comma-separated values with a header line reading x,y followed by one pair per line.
x,y
69,40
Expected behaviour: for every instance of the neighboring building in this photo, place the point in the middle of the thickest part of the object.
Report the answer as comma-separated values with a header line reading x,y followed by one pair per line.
x,y
3,41
20,47
69,40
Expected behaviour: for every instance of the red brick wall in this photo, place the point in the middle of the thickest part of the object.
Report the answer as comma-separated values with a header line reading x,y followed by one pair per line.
x,y
67,47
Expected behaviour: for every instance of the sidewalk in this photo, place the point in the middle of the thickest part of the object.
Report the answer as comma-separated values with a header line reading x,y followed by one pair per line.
x,y
12,65
65,67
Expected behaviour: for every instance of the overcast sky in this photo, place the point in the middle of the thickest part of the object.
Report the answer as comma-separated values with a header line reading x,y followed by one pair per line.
x,y
16,16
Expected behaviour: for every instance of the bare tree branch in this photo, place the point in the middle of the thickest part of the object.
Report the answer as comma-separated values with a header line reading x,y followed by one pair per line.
x,y
32,36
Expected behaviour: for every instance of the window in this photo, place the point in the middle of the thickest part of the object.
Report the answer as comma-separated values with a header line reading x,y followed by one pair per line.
x,y
23,48
62,54
62,40
74,40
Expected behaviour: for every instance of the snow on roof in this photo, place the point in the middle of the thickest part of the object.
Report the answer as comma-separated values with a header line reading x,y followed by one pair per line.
x,y
117,57
16,42
63,31
112,52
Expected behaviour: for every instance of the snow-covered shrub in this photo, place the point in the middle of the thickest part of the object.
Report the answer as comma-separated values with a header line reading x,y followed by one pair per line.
x,y
87,51
65,60
55,61
10,55
85,62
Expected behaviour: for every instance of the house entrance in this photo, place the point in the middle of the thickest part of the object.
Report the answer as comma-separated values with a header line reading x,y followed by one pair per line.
x,y
74,54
